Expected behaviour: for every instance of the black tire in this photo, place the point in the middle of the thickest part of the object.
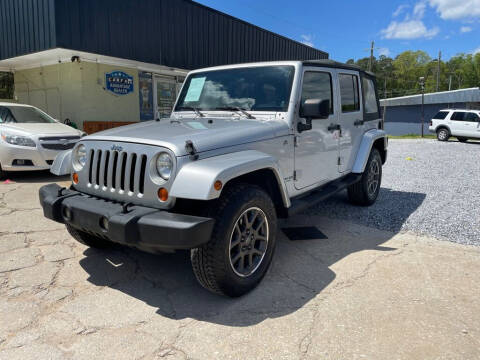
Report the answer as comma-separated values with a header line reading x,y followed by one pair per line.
x,y
88,239
443,134
365,191
462,139
212,263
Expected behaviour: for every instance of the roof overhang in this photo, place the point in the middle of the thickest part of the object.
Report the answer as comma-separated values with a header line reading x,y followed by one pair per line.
x,y
59,55
442,97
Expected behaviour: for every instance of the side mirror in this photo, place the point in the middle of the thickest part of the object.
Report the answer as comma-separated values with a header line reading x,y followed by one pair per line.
x,y
313,109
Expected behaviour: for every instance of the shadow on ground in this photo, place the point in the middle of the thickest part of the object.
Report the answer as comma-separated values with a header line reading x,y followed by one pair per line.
x,y
300,271
34,177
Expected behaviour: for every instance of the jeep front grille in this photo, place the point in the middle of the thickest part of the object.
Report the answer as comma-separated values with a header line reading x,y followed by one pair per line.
x,y
114,171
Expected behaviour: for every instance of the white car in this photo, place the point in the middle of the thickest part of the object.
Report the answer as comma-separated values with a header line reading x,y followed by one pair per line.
x,y
463,124
31,139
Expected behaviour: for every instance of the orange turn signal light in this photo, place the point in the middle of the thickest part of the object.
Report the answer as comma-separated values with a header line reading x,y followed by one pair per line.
x,y
75,178
218,185
163,194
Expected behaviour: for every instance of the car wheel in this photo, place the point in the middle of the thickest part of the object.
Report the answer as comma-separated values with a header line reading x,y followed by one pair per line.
x,y
443,134
241,248
462,140
88,239
365,191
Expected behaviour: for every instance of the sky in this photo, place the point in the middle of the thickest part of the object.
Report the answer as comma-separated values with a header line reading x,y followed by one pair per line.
x,y
345,28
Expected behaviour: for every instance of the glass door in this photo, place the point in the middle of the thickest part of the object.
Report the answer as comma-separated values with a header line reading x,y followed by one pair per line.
x,y
166,93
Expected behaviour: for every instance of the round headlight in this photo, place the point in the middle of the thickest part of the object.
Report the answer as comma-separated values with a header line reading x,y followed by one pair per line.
x,y
79,157
164,165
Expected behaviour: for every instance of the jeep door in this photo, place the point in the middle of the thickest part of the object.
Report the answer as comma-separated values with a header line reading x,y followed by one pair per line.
x,y
350,118
316,150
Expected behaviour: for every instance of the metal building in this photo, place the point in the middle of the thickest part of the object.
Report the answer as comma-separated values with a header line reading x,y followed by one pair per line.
x,y
403,114
62,50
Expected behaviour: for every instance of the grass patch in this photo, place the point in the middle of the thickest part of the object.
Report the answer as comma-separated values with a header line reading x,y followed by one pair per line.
x,y
412,136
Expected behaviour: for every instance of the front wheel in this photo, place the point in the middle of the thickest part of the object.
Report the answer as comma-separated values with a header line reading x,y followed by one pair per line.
x,y
241,248
365,191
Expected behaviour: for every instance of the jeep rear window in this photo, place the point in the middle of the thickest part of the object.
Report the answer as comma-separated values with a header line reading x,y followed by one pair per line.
x,y
264,88
441,115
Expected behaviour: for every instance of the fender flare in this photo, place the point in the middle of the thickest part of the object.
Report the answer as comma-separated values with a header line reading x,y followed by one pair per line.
x,y
366,146
443,126
196,180
62,165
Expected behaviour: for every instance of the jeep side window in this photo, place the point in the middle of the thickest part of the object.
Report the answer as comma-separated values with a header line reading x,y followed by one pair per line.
x,y
441,115
472,117
349,93
458,116
317,85
368,89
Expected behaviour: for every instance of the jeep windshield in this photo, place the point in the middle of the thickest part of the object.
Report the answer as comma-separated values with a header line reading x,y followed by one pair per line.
x,y
265,88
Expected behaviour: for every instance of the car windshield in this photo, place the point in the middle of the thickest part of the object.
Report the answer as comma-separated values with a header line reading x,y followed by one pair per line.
x,y
23,114
265,88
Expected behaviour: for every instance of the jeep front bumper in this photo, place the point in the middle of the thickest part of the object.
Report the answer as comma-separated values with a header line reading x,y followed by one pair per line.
x,y
145,228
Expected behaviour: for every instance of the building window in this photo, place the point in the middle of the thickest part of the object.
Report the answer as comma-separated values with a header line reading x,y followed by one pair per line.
x,y
6,85
349,93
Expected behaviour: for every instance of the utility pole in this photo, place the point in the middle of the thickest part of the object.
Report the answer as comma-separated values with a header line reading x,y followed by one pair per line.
x,y
450,83
438,69
422,84
370,63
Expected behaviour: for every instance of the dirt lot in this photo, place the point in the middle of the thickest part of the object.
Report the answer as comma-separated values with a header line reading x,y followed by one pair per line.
x,y
361,293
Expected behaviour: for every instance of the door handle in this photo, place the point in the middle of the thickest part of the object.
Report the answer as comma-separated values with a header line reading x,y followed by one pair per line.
x,y
333,127
358,122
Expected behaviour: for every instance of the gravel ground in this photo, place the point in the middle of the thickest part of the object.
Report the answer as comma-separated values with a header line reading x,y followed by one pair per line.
x,y
429,187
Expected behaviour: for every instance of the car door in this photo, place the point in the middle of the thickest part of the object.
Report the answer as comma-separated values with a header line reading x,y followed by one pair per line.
x,y
316,150
350,118
456,123
471,124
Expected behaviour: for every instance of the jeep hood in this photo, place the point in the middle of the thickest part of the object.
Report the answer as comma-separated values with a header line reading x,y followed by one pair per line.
x,y
206,134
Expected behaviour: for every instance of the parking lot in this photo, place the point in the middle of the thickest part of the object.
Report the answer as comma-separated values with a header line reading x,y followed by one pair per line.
x,y
396,280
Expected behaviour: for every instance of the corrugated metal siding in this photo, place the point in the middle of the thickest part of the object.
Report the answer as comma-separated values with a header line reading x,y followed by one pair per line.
x,y
177,33
26,26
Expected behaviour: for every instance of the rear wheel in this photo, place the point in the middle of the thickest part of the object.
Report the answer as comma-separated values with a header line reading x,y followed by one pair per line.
x,y
240,250
443,134
462,139
88,239
365,191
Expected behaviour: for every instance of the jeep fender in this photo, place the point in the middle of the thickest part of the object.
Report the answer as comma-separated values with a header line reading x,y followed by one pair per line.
x,y
62,165
368,140
196,179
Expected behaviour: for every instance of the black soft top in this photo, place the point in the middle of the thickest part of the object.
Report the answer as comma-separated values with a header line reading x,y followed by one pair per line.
x,y
336,64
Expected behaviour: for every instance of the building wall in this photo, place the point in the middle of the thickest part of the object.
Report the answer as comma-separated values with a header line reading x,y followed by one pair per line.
x,y
26,26
406,119
77,91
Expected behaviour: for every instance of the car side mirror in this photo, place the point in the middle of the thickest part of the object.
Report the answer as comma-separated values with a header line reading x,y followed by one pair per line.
x,y
313,109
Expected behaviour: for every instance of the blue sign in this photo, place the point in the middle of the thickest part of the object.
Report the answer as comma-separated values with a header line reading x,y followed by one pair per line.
x,y
119,82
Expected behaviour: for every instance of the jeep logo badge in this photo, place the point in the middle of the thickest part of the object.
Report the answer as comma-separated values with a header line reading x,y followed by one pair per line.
x,y
116,148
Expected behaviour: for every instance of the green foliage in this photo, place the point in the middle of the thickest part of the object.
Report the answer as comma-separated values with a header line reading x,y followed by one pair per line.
x,y
399,76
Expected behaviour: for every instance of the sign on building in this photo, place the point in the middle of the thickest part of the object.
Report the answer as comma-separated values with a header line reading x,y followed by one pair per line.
x,y
118,82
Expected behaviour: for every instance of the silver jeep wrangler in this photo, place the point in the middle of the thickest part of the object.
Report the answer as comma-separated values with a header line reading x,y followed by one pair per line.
x,y
245,145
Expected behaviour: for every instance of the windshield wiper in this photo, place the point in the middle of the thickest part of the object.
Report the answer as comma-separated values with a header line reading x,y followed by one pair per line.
x,y
236,108
193,109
